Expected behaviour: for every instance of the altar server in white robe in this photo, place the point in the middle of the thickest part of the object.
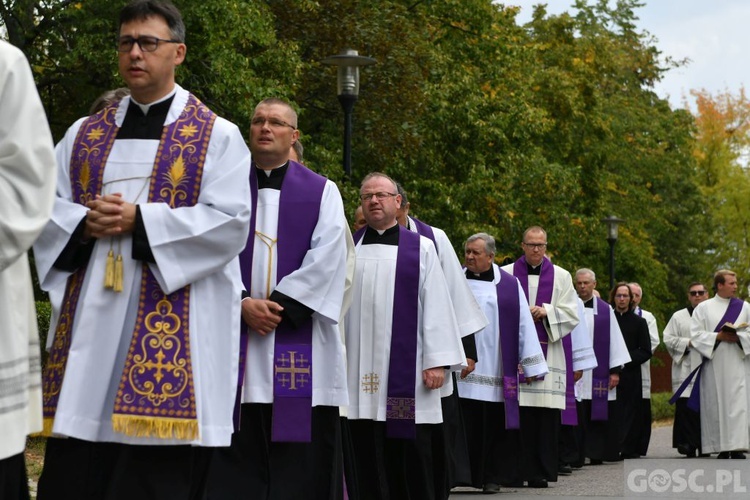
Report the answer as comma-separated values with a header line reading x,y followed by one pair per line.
x,y
151,212
653,333
686,431
27,192
725,374
294,271
471,320
400,336
552,301
481,392
599,430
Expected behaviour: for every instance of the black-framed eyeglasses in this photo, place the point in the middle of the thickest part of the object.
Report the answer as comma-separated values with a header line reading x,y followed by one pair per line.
x,y
696,293
146,43
379,196
272,122
537,246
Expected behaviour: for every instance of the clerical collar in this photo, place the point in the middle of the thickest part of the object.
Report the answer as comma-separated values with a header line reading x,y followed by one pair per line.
x,y
271,179
589,303
138,124
488,275
373,237
145,108
534,271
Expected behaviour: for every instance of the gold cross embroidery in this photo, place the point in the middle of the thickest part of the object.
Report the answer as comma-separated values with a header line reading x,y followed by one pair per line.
x,y
370,383
600,388
297,369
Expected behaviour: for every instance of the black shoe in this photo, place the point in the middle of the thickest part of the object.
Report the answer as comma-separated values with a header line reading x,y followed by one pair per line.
x,y
512,484
538,483
737,455
595,461
576,466
491,488
723,455
704,455
686,449
564,470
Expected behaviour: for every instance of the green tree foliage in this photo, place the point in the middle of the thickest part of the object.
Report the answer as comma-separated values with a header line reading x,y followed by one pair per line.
x,y
723,138
490,126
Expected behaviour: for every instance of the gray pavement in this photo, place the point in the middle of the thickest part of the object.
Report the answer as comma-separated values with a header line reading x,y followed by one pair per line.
x,y
600,481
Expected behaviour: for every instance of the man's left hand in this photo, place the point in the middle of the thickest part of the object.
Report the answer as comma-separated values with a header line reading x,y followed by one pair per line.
x,y
538,313
472,364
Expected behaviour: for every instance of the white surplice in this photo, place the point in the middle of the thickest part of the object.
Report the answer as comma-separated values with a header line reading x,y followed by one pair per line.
x,y
725,379
618,351
485,383
562,317
684,359
368,332
27,191
653,333
319,284
195,246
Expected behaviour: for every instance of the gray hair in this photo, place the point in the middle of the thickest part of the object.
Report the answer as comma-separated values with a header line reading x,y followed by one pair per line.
x,y
586,270
489,242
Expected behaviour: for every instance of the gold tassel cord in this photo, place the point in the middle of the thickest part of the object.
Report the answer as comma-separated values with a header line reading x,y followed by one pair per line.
x,y
109,271
46,431
118,274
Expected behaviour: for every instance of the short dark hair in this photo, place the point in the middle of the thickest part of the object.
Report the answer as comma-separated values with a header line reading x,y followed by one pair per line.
x,y
720,277
696,283
140,10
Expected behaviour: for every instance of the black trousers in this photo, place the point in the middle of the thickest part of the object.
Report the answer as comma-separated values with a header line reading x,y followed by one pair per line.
x,y
494,451
686,430
539,443
394,469
601,439
452,445
645,427
83,470
13,482
256,468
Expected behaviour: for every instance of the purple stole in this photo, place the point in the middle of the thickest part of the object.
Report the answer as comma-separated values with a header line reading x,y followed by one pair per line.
x,y
402,366
299,210
694,401
543,293
426,231
569,416
600,374
509,319
156,396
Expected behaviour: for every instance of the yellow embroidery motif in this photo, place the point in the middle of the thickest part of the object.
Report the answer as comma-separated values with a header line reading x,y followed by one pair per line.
x,y
162,324
175,177
188,131
95,134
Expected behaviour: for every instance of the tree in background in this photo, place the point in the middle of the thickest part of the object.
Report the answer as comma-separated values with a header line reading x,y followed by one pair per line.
x,y
490,126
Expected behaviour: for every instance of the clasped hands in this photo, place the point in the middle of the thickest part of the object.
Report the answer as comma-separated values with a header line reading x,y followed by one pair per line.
x,y
109,215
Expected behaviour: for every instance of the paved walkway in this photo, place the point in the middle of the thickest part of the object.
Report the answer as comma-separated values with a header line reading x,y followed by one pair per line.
x,y
600,481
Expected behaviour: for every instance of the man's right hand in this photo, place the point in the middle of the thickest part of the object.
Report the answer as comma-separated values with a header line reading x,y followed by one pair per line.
x,y
263,316
726,336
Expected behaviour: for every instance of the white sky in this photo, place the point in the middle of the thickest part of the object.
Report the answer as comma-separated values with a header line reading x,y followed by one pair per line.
x,y
714,35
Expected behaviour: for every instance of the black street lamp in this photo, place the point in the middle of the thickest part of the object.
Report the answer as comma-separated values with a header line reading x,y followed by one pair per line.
x,y
348,63
612,223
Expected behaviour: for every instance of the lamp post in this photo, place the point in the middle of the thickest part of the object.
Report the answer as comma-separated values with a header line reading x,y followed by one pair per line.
x,y
348,63
612,223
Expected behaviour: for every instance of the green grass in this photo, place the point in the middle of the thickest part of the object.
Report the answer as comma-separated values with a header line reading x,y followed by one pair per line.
x,y
34,460
660,407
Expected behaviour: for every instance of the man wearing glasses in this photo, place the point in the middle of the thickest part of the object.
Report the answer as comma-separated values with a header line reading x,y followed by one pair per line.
x,y
152,210
720,334
554,307
294,273
400,338
686,431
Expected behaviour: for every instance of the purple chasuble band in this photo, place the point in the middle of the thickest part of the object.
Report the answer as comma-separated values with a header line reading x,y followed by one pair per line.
x,y
156,395
543,295
402,366
694,401
510,318
600,374
299,211
569,415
